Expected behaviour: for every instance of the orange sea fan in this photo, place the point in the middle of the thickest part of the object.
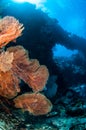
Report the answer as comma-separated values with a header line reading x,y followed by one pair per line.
x,y
35,103
6,59
10,29
38,79
15,65
29,70
9,85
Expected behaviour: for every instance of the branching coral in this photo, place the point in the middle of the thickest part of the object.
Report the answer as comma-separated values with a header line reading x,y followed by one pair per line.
x,y
10,29
15,65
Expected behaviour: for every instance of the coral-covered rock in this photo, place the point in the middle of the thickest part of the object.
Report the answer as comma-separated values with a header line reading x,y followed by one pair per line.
x,y
10,29
35,103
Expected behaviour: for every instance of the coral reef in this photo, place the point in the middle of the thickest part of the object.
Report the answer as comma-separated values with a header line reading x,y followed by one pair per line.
x,y
15,65
69,111
8,122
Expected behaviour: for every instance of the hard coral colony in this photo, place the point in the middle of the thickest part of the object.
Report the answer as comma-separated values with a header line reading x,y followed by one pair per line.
x,y
15,65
